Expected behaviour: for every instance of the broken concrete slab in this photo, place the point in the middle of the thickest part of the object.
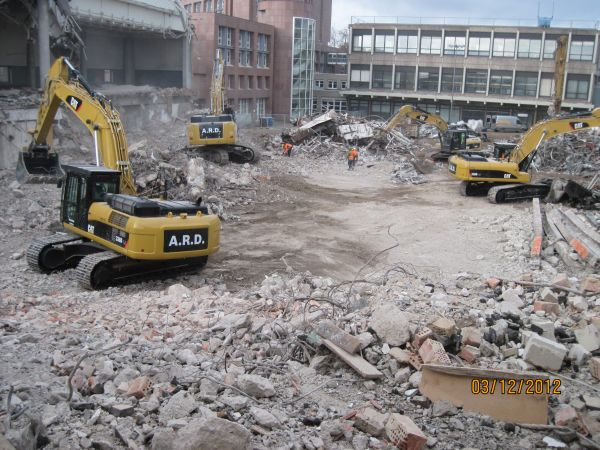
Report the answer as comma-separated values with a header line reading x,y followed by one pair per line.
x,y
391,324
212,433
459,384
370,421
548,295
329,330
544,353
255,385
588,337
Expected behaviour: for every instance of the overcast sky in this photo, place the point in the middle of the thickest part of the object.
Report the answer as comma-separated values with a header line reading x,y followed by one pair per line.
x,y
343,10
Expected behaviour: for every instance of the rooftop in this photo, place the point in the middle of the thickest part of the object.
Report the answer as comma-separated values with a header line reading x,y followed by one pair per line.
x,y
476,21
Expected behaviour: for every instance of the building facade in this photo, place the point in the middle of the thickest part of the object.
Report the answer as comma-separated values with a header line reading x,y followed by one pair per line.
x,y
467,72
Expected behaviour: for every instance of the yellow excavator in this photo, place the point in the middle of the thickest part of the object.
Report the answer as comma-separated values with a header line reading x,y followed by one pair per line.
x,y
215,134
452,138
508,179
110,232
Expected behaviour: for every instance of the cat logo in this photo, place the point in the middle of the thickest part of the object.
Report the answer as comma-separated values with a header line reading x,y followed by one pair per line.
x,y
74,103
422,118
579,125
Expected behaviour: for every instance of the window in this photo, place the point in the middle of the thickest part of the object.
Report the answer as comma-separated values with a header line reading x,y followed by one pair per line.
x,y
335,104
360,75
108,76
452,79
259,82
578,86
262,42
208,6
581,49
337,58
3,74
526,84
407,42
344,84
382,77
244,105
227,55
314,106
547,85
245,40
263,60
250,82
504,45
454,45
225,36
244,58
242,82
220,6
405,78
431,45
362,41
303,57
198,7
428,79
261,106
476,81
550,46
319,84
231,81
267,82
529,46
501,82
479,44
384,41
332,84
381,108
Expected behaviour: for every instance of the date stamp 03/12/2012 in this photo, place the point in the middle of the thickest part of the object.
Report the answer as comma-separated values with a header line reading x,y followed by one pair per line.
x,y
512,386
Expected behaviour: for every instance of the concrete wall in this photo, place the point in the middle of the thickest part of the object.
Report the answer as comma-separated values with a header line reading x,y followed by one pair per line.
x,y
13,54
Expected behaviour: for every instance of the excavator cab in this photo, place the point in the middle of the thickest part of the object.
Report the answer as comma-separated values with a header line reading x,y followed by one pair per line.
x,y
82,186
38,164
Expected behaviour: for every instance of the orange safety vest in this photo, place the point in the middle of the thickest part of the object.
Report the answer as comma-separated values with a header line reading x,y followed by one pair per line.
x,y
353,154
287,147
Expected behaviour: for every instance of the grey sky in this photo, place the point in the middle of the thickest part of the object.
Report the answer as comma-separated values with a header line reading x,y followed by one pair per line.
x,y
587,10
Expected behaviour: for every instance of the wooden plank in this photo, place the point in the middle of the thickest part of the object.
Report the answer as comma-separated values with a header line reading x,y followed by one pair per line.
x,y
328,330
464,386
363,367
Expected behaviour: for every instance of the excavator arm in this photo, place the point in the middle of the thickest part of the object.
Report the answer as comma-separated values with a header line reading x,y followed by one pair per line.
x,y
418,116
217,92
65,84
525,151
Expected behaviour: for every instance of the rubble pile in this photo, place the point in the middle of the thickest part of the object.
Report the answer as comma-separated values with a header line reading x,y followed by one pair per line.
x,y
573,154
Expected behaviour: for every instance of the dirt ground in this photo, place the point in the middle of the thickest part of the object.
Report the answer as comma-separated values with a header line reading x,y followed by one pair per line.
x,y
334,224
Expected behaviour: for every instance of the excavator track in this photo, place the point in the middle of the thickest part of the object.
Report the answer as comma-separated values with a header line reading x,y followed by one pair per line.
x,y
99,270
40,247
221,154
514,192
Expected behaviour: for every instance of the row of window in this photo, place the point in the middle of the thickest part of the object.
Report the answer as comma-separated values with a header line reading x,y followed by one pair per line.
x,y
245,106
245,58
247,82
245,38
331,84
504,45
475,81
217,6
329,103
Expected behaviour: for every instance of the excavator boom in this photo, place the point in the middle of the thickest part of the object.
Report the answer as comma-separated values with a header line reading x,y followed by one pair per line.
x,y
65,85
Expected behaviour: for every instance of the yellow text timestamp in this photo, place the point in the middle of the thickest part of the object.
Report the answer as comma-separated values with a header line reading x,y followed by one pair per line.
x,y
511,386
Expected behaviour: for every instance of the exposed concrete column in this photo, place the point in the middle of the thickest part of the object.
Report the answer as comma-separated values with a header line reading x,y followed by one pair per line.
x,y
393,75
564,93
466,44
43,39
517,44
416,77
569,47
591,90
128,60
595,57
439,89
371,75
487,85
491,45
543,45
419,41
396,40
464,78
443,43
187,63
537,93
512,88
373,40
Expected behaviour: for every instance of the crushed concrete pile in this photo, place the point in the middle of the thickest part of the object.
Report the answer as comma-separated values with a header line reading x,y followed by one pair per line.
x,y
301,361
19,98
573,154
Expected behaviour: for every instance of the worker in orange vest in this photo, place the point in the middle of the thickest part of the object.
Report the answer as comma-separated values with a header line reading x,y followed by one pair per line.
x,y
352,158
287,149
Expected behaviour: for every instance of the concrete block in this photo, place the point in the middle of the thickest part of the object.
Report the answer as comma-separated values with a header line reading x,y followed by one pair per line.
x,y
402,356
328,330
578,354
544,353
543,326
433,352
548,295
508,352
591,401
443,326
404,433
588,337
370,421
469,353
591,284
565,415
561,279
578,302
547,307
471,336
512,296
595,367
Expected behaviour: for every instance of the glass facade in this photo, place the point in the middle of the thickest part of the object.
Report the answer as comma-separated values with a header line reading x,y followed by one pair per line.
x,y
303,57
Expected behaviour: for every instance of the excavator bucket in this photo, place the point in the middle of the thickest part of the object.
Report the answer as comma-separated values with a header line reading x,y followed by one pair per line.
x,y
38,165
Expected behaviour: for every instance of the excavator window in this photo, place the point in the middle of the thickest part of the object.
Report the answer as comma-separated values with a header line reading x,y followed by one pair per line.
x,y
101,188
74,201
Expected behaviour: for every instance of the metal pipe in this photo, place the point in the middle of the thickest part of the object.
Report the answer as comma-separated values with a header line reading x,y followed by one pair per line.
x,y
96,146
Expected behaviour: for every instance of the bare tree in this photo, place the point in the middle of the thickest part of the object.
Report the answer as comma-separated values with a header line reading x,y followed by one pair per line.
x,y
339,38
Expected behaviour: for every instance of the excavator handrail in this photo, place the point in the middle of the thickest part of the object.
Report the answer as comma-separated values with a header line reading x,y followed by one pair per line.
x,y
64,84
546,129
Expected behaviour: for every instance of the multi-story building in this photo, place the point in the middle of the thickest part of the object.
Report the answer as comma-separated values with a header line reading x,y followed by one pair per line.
x,y
467,72
330,80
